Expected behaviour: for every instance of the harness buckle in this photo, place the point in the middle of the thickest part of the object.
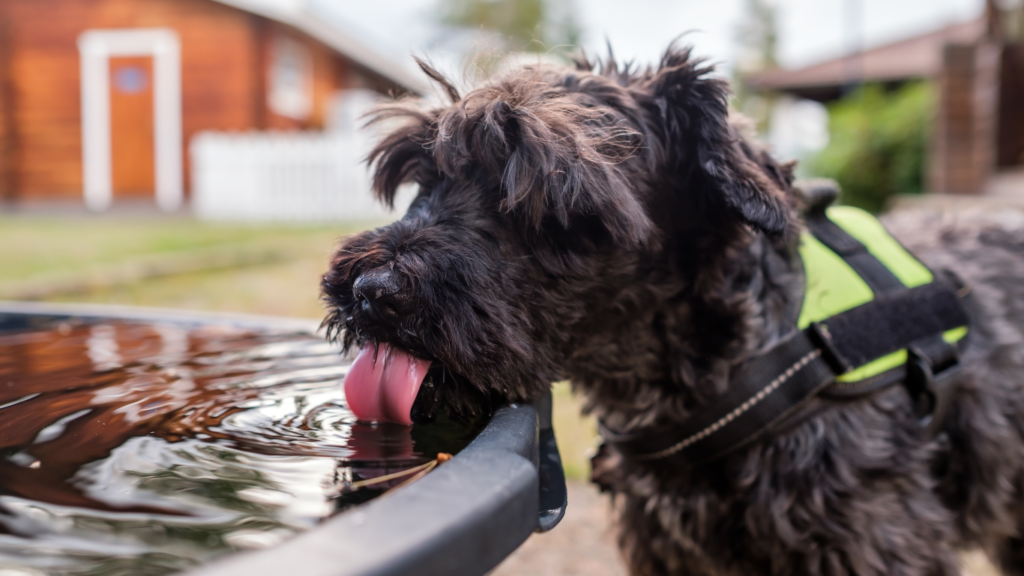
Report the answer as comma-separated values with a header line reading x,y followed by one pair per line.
x,y
930,384
822,339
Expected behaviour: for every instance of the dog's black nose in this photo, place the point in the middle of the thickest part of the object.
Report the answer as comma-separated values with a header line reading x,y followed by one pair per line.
x,y
379,293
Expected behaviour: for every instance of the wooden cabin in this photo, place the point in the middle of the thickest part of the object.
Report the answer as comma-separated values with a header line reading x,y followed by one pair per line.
x,y
977,139
100,98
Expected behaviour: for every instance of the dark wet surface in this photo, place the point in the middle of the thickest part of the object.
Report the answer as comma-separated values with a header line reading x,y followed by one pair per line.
x,y
134,448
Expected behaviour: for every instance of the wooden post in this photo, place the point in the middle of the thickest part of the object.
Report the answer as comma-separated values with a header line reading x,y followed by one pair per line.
x,y
950,144
988,56
1011,107
993,23
963,147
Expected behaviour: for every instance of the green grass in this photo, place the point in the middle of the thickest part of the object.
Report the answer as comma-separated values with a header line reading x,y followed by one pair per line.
x,y
576,434
282,289
44,246
42,250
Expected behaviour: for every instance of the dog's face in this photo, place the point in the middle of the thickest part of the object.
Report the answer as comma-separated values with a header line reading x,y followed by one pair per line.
x,y
541,196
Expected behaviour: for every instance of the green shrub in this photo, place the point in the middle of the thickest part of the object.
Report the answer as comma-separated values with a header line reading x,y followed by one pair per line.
x,y
877,143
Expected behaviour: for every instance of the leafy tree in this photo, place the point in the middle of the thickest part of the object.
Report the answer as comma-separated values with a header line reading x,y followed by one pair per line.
x,y
524,25
758,37
757,41
877,143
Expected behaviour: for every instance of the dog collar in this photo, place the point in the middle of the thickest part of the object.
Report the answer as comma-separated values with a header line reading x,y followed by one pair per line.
x,y
872,316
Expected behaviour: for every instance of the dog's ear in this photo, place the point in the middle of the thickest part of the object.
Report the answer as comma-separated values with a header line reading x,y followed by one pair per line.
x,y
695,115
402,155
552,155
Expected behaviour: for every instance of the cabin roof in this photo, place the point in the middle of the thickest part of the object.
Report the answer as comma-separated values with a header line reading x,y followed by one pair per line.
x,y
296,15
912,58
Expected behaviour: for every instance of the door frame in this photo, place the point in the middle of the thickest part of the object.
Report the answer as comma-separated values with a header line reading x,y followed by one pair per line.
x,y
96,47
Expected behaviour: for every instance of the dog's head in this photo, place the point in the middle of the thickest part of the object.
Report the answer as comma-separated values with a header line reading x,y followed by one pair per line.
x,y
541,196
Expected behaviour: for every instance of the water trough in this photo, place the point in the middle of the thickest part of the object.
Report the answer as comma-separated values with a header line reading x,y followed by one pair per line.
x,y
461,519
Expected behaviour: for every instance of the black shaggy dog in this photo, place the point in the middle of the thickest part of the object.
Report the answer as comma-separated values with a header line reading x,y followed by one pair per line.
x,y
612,227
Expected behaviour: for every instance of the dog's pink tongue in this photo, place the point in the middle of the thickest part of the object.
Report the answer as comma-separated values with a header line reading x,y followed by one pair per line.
x,y
382,389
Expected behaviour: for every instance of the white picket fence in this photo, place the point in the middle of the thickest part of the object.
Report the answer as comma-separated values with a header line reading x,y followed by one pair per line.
x,y
283,177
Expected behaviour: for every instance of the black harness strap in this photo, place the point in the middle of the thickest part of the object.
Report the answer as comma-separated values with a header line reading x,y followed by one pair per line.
x,y
880,279
768,389
892,322
886,322
771,388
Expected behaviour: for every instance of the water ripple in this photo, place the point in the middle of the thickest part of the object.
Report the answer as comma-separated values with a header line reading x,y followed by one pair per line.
x,y
134,448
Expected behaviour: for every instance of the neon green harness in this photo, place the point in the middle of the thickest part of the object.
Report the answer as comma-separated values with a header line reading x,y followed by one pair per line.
x,y
872,316
832,286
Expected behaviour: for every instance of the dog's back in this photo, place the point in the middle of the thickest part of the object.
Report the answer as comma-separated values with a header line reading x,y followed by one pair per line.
x,y
980,464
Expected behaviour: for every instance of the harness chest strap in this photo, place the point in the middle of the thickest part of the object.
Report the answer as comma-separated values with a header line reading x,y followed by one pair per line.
x,y
901,331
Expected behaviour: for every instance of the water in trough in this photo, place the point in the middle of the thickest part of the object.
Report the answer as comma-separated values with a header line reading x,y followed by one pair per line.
x,y
148,448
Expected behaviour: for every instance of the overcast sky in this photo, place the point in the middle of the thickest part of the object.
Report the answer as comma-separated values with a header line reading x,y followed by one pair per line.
x,y
810,30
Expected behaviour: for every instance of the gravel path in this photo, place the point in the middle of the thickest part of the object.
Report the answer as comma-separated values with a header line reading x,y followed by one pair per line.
x,y
583,544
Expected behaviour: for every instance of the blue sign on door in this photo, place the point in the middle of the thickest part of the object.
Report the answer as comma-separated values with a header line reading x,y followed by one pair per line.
x,y
130,79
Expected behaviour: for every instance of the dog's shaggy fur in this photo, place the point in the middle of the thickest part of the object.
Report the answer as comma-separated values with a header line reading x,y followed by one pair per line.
x,y
610,226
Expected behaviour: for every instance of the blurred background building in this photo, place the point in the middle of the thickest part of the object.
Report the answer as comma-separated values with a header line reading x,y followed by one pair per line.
x,y
941,111
101,99
247,109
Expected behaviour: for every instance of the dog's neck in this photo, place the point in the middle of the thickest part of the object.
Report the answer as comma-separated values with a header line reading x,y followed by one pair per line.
x,y
681,329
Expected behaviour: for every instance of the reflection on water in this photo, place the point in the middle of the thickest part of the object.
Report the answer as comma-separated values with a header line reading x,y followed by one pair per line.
x,y
134,448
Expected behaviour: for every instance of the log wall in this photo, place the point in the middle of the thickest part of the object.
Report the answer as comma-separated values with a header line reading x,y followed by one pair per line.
x,y
224,56
7,145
